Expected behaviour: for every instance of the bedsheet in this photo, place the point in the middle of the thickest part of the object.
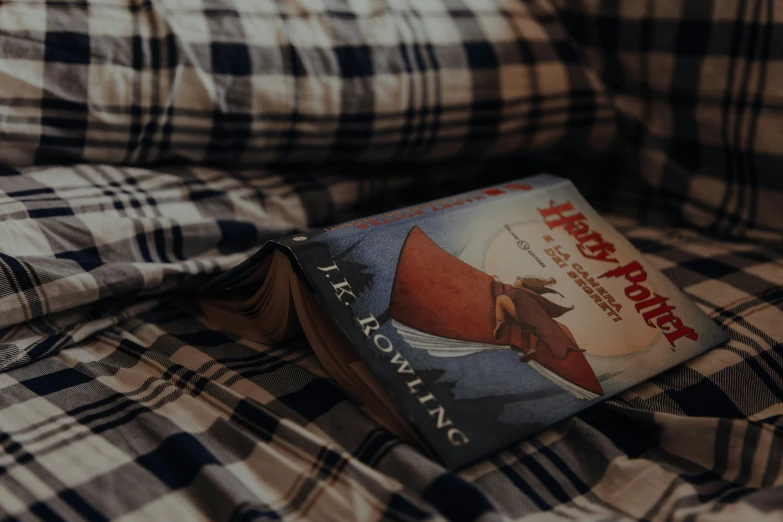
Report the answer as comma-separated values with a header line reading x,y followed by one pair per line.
x,y
133,408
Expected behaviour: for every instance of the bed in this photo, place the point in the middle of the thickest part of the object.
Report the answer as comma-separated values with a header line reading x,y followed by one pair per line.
x,y
149,145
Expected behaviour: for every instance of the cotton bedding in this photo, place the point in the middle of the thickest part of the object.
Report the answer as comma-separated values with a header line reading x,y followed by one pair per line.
x,y
148,145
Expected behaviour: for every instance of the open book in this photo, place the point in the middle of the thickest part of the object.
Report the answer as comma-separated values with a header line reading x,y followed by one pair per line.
x,y
463,325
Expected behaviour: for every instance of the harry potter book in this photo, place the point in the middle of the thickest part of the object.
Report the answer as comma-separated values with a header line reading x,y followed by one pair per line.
x,y
465,324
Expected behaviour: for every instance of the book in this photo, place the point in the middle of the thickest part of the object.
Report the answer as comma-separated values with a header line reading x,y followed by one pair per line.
x,y
464,324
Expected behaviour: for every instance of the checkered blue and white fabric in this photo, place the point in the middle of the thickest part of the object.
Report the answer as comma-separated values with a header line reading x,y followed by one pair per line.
x,y
118,402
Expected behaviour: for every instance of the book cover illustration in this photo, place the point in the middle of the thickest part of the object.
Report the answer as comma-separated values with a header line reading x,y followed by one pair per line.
x,y
490,315
474,312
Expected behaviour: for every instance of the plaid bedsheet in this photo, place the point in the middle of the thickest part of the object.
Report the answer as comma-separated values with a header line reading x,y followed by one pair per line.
x,y
117,402
140,411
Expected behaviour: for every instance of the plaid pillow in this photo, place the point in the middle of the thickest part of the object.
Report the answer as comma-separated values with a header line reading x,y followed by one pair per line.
x,y
264,81
696,86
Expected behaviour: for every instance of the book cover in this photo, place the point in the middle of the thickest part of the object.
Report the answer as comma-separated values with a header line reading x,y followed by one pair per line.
x,y
490,315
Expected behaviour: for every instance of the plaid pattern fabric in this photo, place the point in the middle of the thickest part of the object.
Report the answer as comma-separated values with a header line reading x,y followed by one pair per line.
x,y
684,96
82,244
696,90
133,409
252,82
157,417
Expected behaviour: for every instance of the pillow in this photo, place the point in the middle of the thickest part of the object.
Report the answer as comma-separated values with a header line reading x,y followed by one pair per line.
x,y
259,82
697,88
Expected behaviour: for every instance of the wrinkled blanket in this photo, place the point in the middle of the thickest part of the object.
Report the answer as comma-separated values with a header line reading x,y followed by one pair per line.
x,y
147,145
134,407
